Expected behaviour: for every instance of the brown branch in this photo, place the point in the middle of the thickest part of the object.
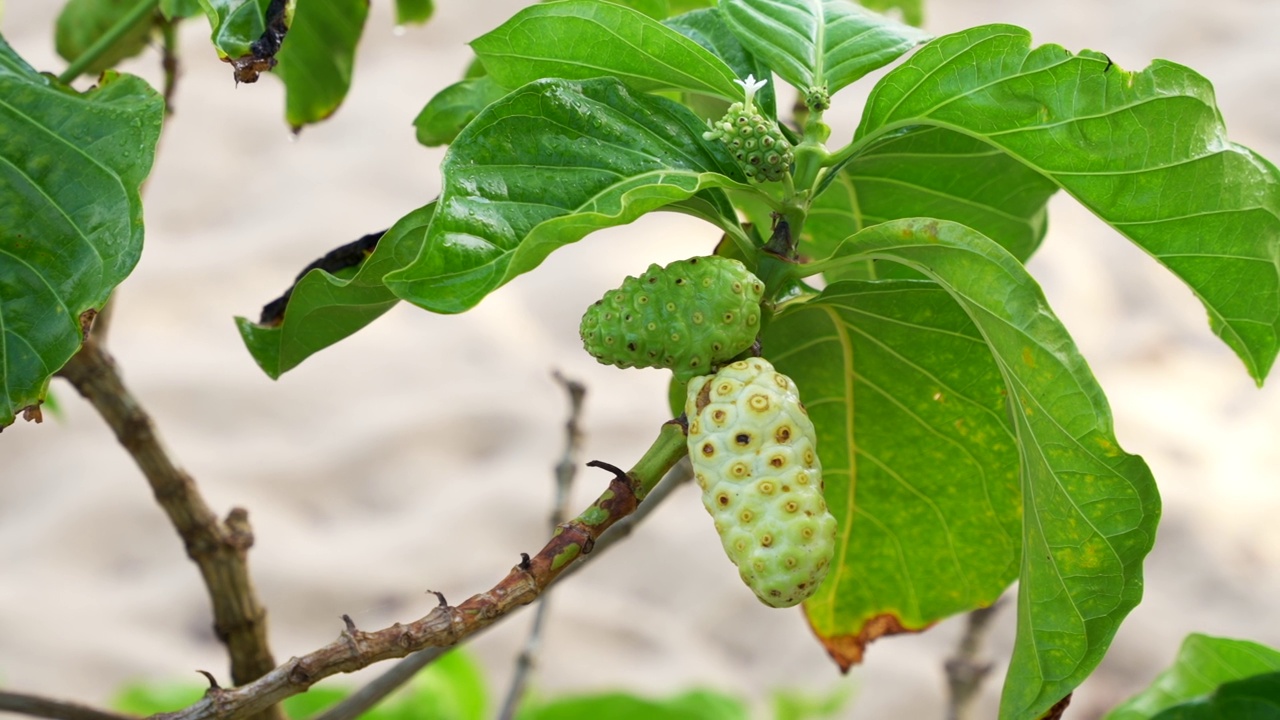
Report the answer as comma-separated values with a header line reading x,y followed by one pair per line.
x,y
565,471
219,549
966,669
402,672
446,625
55,709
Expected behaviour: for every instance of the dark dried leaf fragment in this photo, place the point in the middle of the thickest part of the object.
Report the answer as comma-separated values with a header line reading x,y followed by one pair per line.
x,y
340,258
262,52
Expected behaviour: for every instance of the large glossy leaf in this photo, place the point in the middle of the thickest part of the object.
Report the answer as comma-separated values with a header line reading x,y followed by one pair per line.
x,y
1203,663
323,308
918,456
70,214
580,39
1255,698
1089,509
545,166
1147,152
819,43
316,59
930,172
82,22
707,28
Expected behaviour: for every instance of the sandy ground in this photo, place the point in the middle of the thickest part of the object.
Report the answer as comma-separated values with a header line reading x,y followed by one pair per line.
x,y
417,454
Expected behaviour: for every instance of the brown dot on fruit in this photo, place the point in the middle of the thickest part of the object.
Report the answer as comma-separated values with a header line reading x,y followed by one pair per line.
x,y
723,499
643,299
766,540
790,562
740,470
777,461
737,287
806,533
808,458
758,402
786,488
780,380
719,416
679,281
608,340
791,506
782,434
742,439
746,516
724,389
708,449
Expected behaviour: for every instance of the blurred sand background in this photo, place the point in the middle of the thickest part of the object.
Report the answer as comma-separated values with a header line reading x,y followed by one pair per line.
x,y
418,453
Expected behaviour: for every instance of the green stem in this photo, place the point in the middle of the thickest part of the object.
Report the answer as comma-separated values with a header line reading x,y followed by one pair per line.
x,y
666,451
107,40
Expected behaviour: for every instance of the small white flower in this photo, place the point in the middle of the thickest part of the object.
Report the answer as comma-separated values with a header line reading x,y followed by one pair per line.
x,y
751,85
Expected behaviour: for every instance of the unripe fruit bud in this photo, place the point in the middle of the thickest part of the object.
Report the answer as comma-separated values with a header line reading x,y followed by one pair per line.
x,y
689,317
757,143
754,456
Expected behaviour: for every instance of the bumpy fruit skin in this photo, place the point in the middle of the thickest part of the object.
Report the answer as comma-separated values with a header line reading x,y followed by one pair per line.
x,y
755,141
688,316
754,456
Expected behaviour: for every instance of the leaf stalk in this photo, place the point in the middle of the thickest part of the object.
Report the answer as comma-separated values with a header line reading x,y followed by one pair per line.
x,y
107,40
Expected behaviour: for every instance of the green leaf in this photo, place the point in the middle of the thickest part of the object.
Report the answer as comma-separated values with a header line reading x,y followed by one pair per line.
x,y
708,29
446,114
70,214
1203,663
316,59
451,688
144,700
414,11
314,701
1147,152
919,461
581,39
178,9
1255,698
545,166
324,309
1089,510
692,705
930,172
236,24
818,43
82,22
912,10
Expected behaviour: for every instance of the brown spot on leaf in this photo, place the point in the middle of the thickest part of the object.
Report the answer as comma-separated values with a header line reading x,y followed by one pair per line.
x,y
847,650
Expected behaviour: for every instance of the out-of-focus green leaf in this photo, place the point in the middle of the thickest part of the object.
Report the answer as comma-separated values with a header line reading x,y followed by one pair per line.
x,y
318,56
1089,510
315,700
565,40
912,10
82,22
918,456
451,688
930,172
70,214
144,700
414,11
1255,698
1203,664
796,705
818,44
693,705
1145,151
177,9
446,114
545,166
323,308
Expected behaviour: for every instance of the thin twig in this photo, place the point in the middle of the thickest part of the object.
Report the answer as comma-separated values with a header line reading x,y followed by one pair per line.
x,y
402,672
219,549
564,474
55,709
966,669
169,61
447,625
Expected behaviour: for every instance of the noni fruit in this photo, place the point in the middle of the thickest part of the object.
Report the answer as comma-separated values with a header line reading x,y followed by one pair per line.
x,y
755,140
754,456
688,316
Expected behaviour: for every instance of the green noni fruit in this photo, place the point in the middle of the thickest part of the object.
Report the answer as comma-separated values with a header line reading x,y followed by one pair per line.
x,y
688,316
755,140
754,456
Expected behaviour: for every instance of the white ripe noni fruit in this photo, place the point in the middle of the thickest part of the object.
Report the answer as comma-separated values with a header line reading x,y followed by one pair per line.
x,y
754,456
